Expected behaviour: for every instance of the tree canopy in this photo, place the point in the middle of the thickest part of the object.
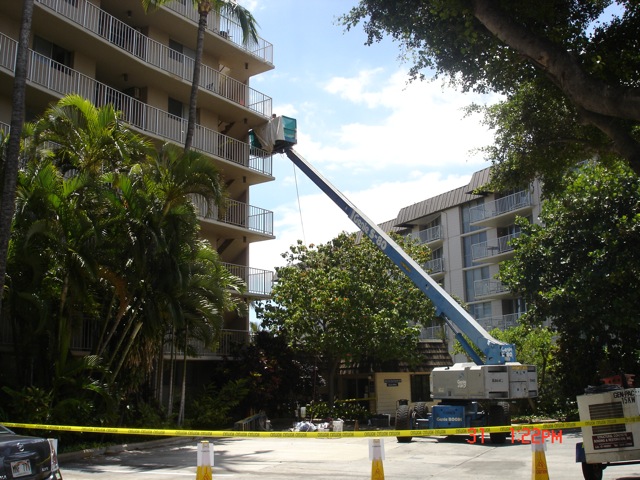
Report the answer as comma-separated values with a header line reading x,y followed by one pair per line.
x,y
346,301
567,70
581,270
105,252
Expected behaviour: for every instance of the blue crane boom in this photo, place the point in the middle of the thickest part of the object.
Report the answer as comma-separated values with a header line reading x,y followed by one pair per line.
x,y
495,351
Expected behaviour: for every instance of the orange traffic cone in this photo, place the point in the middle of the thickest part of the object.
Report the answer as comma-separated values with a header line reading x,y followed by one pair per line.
x,y
539,469
205,461
376,454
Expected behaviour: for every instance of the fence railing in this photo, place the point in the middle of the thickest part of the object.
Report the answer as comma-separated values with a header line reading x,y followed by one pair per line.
x,y
228,340
258,281
490,249
428,234
127,38
435,265
485,288
500,206
227,28
63,80
236,213
503,322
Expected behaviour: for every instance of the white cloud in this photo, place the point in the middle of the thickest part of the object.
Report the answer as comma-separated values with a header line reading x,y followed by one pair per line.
x,y
401,125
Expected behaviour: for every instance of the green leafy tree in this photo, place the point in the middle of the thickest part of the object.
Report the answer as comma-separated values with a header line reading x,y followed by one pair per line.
x,y
119,251
346,301
580,269
567,71
247,23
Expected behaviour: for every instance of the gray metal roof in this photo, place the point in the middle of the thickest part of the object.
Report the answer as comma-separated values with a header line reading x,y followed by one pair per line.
x,y
410,214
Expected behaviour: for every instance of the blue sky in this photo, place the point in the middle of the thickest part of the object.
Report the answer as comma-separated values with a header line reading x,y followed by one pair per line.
x,y
383,142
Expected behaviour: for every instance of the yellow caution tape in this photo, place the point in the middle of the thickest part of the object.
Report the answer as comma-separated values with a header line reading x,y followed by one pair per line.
x,y
434,432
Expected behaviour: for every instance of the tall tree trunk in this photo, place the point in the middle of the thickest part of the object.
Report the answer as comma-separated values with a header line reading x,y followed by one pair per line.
x,y
10,170
183,394
195,81
172,367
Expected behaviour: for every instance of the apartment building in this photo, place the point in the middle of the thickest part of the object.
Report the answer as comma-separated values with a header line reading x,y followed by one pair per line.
x,y
469,232
111,51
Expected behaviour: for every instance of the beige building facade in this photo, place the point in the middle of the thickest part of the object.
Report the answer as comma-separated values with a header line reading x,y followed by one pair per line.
x,y
111,51
469,231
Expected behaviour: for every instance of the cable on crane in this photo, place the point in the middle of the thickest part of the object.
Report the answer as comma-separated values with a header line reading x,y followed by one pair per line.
x,y
304,237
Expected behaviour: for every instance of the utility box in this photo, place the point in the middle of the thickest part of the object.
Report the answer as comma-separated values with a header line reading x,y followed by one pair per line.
x,y
611,443
278,134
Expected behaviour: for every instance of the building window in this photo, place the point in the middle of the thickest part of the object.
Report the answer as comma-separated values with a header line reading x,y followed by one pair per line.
x,y
420,390
175,50
60,56
480,310
466,222
178,51
472,276
467,244
175,108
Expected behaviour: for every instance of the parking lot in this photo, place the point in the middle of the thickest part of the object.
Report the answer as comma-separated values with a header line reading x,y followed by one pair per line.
x,y
336,458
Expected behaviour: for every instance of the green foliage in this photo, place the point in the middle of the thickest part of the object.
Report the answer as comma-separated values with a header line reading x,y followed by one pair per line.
x,y
29,404
105,247
580,269
566,72
278,377
345,409
211,409
346,300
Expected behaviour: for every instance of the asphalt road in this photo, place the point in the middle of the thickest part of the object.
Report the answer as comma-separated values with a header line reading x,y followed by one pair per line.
x,y
443,458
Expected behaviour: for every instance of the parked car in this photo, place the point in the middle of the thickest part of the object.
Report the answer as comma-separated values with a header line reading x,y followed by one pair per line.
x,y
27,458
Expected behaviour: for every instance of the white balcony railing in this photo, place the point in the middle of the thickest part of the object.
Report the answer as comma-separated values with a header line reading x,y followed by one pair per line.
x,y
227,28
228,340
500,206
63,80
258,281
490,249
432,333
503,322
435,265
488,287
127,38
236,213
428,235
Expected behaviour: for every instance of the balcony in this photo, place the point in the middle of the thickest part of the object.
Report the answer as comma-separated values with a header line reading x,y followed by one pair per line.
x,y
226,343
237,214
501,212
122,36
61,80
84,341
227,28
489,288
428,235
495,251
259,282
503,322
433,333
435,268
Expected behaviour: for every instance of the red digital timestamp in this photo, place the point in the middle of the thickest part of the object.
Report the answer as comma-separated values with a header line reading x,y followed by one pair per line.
x,y
526,436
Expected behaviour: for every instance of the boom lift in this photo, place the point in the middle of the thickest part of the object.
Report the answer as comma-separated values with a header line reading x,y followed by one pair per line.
x,y
473,394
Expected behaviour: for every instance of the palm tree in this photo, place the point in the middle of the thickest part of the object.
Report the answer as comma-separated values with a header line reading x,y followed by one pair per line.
x,y
10,164
247,23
